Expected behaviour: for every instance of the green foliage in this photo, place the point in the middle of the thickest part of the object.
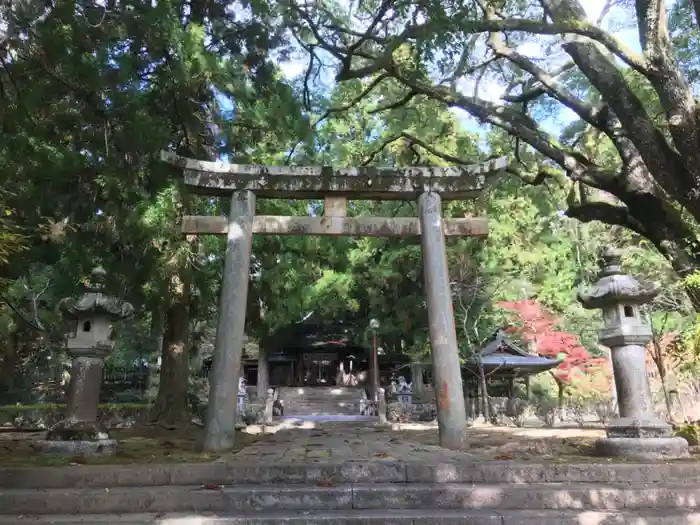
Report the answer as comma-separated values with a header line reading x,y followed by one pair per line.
x,y
92,95
690,432
686,38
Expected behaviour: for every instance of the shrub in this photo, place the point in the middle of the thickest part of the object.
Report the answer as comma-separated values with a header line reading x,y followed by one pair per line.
x,y
579,408
398,413
46,415
690,432
253,413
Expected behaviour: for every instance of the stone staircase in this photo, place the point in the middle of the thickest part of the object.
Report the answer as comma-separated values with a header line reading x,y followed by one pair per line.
x,y
354,493
321,401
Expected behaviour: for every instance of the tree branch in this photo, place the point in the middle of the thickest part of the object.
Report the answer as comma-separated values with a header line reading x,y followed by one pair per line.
x,y
586,205
652,26
582,28
696,8
670,83
12,12
510,120
461,24
662,161
19,314
554,88
395,104
383,8
533,90
434,151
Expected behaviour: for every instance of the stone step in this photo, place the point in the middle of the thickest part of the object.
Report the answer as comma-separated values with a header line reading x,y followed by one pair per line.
x,y
338,473
325,396
353,407
371,496
325,399
316,411
319,392
377,517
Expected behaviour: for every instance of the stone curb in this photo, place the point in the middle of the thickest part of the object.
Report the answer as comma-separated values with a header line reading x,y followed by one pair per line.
x,y
369,496
418,517
221,473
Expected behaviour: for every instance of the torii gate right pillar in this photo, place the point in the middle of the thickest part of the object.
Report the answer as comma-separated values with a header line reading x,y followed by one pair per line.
x,y
447,379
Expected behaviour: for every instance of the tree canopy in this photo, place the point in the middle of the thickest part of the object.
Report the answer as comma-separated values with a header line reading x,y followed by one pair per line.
x,y
91,93
628,157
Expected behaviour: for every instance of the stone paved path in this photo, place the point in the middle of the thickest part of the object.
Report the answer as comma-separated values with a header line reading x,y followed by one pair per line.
x,y
313,442
328,442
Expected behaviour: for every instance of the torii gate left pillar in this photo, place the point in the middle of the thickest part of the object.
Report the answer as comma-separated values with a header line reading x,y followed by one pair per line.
x,y
220,423
244,183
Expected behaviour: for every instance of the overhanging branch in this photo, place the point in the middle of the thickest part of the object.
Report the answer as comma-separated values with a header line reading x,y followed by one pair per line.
x,y
587,204
548,81
599,67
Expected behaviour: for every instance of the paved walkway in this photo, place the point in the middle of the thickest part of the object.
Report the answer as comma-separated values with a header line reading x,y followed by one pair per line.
x,y
309,442
313,442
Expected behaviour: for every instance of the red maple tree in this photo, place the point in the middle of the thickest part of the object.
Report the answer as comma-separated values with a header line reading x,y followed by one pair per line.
x,y
538,328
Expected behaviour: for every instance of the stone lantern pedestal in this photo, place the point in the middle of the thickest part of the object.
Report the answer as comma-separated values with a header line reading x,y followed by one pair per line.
x,y
638,433
92,339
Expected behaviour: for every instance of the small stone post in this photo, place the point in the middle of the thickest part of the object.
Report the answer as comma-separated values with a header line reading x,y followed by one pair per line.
x,y
637,434
447,376
374,365
92,339
220,421
417,381
263,372
381,406
469,406
269,406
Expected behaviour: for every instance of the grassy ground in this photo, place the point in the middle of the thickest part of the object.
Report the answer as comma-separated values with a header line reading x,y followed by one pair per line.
x,y
562,444
140,444
152,444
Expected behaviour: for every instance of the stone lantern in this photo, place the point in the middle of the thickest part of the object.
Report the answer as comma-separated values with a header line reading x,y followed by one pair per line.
x,y
92,339
637,433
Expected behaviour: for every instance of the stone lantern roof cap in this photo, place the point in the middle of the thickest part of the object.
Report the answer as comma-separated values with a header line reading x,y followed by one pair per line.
x,y
613,287
95,302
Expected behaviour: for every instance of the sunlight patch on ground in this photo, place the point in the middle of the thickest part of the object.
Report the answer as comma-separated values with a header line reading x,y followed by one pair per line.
x,y
292,424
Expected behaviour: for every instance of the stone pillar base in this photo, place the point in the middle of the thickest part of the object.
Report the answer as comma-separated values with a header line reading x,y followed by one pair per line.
x,y
632,427
102,447
642,448
78,438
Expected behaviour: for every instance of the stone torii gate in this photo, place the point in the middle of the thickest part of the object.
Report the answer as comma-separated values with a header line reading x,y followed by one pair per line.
x,y
244,183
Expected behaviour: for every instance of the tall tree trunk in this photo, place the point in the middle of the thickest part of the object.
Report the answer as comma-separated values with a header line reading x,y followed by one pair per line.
x,y
170,408
10,350
483,387
658,358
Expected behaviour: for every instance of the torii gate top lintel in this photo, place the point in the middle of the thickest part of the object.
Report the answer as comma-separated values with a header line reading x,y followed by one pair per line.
x,y
318,182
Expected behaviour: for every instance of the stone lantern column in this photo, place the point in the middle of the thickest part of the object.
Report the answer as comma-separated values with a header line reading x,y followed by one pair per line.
x,y
637,433
91,340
